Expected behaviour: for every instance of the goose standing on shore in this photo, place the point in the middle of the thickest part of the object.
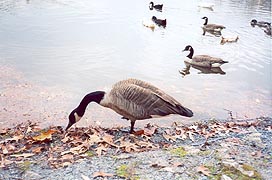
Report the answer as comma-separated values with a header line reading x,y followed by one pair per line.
x,y
134,100
202,60
211,27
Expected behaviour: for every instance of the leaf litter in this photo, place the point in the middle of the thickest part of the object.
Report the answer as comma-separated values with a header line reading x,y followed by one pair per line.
x,y
28,141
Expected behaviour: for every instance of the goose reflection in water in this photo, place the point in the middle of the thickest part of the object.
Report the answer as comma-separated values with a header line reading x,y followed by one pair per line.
x,y
203,70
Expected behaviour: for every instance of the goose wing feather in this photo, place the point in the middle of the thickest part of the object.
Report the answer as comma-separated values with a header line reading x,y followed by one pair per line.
x,y
203,58
214,26
138,100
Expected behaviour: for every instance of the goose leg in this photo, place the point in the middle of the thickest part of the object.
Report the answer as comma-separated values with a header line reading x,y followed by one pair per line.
x,y
132,127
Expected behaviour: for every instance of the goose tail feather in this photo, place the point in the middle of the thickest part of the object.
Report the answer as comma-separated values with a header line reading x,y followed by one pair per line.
x,y
185,111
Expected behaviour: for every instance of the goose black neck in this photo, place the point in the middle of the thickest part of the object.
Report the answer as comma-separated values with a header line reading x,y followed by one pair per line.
x,y
191,53
96,96
206,21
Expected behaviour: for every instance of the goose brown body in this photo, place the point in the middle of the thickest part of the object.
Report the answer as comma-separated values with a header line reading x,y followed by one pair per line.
x,y
202,60
211,27
134,100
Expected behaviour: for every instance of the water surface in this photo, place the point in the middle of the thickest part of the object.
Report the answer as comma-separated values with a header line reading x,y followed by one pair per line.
x,y
87,45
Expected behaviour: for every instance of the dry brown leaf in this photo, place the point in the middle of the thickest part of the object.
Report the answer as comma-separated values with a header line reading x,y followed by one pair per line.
x,y
37,150
169,137
85,177
3,131
45,135
128,145
14,138
67,157
76,150
65,139
138,133
149,131
4,149
25,155
102,174
29,129
4,162
177,164
100,149
203,170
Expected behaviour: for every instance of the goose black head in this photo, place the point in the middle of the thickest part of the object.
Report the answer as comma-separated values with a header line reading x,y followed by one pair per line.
x,y
206,20
187,48
253,22
154,18
73,118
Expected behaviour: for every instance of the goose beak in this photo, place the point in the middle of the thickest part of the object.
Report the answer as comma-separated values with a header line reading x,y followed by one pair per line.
x,y
72,120
68,126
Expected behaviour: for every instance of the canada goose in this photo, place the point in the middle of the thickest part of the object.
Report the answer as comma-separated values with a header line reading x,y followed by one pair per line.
x,y
159,22
267,30
254,23
157,6
206,5
202,60
228,39
134,100
211,27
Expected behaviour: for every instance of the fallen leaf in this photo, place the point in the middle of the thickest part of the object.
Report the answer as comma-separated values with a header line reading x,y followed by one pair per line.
x,y
138,133
45,135
37,150
29,129
168,169
177,164
169,137
4,149
100,149
67,157
85,177
3,131
203,170
4,162
25,155
149,131
14,138
102,174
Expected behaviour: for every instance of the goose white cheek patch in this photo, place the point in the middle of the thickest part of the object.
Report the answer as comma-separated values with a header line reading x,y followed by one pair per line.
x,y
77,117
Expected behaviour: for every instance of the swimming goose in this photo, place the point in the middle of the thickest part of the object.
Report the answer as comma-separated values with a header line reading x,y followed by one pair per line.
x,y
206,5
134,100
254,23
211,27
160,22
202,60
228,39
267,30
157,6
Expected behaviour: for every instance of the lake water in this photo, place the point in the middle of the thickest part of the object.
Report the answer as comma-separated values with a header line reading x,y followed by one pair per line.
x,y
81,46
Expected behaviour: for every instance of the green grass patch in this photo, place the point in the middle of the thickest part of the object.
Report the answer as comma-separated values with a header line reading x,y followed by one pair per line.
x,y
180,151
127,172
